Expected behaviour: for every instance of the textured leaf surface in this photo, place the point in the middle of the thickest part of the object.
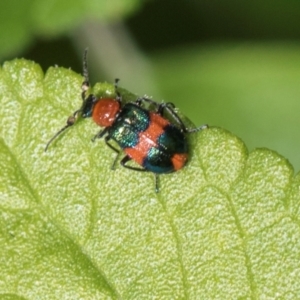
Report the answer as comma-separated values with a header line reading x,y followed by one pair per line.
x,y
225,227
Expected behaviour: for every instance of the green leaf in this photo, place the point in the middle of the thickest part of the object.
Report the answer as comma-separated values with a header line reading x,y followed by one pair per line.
x,y
52,17
224,227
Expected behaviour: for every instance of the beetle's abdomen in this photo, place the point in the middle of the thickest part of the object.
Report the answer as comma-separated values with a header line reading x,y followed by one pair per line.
x,y
170,153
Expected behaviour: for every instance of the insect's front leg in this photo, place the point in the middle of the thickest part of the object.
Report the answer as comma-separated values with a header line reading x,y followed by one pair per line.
x,y
100,134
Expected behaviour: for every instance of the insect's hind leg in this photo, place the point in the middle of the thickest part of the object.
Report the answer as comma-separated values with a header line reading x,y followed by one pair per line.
x,y
156,180
141,100
170,108
126,159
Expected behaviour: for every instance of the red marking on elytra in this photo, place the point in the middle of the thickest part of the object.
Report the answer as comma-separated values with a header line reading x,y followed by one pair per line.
x,y
179,160
105,111
147,138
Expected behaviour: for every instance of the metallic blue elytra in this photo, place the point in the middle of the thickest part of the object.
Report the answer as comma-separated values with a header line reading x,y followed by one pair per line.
x,y
131,120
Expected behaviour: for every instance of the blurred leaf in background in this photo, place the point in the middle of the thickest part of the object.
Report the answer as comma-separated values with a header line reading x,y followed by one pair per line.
x,y
23,21
226,63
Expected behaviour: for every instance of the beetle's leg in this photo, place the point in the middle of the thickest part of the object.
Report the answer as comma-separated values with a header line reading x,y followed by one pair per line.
x,y
107,138
163,106
100,134
170,108
191,130
141,100
125,159
156,182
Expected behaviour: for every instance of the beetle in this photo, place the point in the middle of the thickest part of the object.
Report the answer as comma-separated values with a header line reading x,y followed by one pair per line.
x,y
145,135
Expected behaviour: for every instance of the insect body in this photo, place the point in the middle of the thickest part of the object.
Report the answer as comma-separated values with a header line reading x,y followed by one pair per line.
x,y
149,139
145,136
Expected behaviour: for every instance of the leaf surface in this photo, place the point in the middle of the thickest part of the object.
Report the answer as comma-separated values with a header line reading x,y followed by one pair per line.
x,y
224,227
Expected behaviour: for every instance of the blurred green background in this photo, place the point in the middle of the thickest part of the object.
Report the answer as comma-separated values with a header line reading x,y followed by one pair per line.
x,y
233,64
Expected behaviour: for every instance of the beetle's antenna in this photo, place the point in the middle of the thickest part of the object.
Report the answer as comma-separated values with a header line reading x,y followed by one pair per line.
x,y
119,97
86,83
84,87
55,136
71,120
